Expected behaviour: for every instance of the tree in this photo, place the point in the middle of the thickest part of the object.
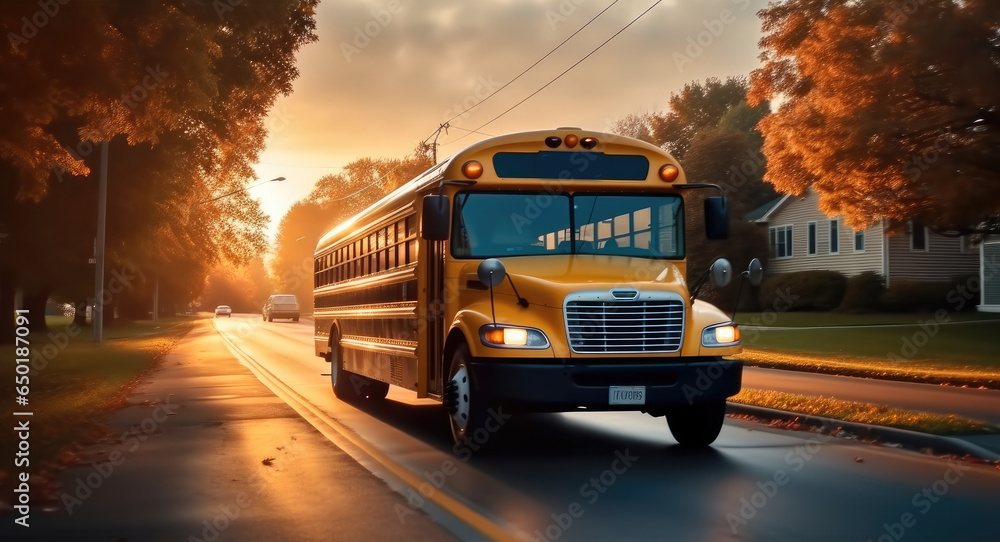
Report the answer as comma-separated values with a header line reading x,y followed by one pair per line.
x,y
181,91
697,106
335,199
889,111
365,181
711,130
634,125
727,156
244,289
298,234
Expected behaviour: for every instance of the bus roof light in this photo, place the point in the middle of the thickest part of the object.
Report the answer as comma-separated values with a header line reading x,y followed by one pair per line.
x,y
552,142
571,141
588,142
669,173
472,169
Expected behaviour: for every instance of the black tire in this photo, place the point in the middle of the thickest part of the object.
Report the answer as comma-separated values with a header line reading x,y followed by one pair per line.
x,y
698,424
295,319
350,387
375,389
340,379
466,408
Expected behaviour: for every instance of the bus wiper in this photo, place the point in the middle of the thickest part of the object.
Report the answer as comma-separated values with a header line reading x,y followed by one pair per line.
x,y
520,300
491,272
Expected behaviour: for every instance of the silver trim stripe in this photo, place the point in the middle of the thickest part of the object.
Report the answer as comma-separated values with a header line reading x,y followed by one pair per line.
x,y
598,323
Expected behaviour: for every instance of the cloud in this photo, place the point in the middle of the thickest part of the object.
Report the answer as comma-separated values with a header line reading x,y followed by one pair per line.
x,y
409,66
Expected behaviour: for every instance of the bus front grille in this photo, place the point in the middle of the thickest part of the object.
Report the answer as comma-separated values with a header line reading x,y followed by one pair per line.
x,y
612,326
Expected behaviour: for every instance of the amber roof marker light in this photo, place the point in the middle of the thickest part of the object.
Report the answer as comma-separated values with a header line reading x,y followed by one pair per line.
x,y
472,169
669,173
571,141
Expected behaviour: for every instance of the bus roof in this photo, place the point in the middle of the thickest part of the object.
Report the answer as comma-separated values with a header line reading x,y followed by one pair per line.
x,y
585,143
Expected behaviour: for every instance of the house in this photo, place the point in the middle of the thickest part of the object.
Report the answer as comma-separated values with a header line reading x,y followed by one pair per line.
x,y
802,238
989,275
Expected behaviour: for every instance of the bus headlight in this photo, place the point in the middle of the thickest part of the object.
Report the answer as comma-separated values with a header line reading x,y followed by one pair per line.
x,y
727,334
501,336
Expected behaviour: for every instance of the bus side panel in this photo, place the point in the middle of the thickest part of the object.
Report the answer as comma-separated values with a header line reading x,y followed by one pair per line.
x,y
392,369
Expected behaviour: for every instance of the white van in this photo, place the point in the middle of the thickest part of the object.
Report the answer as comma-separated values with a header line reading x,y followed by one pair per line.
x,y
281,306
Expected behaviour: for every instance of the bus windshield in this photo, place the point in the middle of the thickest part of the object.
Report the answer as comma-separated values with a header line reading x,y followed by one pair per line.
x,y
497,225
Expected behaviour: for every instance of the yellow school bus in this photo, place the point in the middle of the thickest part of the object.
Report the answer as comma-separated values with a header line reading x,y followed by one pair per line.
x,y
538,271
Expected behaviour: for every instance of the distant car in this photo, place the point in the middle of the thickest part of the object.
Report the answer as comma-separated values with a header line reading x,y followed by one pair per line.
x,y
281,306
223,310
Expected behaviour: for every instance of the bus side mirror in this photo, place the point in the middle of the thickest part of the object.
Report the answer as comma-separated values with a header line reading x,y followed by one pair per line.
x,y
716,218
434,221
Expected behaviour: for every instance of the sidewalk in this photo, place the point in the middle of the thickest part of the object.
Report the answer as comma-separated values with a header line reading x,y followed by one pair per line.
x,y
977,404
205,452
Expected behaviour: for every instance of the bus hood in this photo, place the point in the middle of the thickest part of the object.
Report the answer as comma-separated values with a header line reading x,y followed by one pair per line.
x,y
547,280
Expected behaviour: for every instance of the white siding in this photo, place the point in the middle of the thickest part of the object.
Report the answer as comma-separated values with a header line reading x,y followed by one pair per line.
x,y
799,212
943,260
990,276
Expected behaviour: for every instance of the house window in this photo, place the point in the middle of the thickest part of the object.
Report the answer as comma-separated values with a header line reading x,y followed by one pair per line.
x,y
811,238
859,241
781,241
918,237
835,236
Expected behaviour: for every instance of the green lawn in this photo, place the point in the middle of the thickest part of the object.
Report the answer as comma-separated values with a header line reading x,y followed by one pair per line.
x,y
921,338
77,382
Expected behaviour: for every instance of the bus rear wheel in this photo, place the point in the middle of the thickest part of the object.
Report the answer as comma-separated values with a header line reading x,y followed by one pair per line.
x,y
698,424
466,409
348,386
341,379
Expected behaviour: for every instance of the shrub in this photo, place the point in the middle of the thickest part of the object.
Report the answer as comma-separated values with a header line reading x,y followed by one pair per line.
x,y
864,293
917,296
803,291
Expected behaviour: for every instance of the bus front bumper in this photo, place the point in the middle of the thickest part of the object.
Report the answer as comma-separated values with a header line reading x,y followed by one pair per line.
x,y
544,386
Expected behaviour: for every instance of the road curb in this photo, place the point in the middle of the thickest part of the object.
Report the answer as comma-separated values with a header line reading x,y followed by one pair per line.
x,y
911,440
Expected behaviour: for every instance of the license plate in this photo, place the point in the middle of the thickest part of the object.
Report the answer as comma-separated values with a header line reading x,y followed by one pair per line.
x,y
627,395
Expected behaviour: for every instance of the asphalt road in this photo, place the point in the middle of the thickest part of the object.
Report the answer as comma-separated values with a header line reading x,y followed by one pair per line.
x,y
204,452
620,476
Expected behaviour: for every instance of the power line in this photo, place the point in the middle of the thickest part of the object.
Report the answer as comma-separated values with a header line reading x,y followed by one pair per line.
x,y
471,131
298,166
526,70
556,78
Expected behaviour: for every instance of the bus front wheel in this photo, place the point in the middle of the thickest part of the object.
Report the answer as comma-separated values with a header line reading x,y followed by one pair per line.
x,y
466,409
698,424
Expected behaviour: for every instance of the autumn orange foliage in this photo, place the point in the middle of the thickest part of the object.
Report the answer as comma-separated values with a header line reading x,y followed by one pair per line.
x,y
888,110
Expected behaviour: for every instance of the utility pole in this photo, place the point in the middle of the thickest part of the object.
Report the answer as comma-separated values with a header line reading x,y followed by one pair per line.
x,y
102,204
437,134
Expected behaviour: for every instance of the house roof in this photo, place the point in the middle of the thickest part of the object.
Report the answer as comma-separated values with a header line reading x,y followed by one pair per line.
x,y
763,213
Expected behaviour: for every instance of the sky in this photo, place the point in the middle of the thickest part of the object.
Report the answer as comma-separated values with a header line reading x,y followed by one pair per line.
x,y
385,74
